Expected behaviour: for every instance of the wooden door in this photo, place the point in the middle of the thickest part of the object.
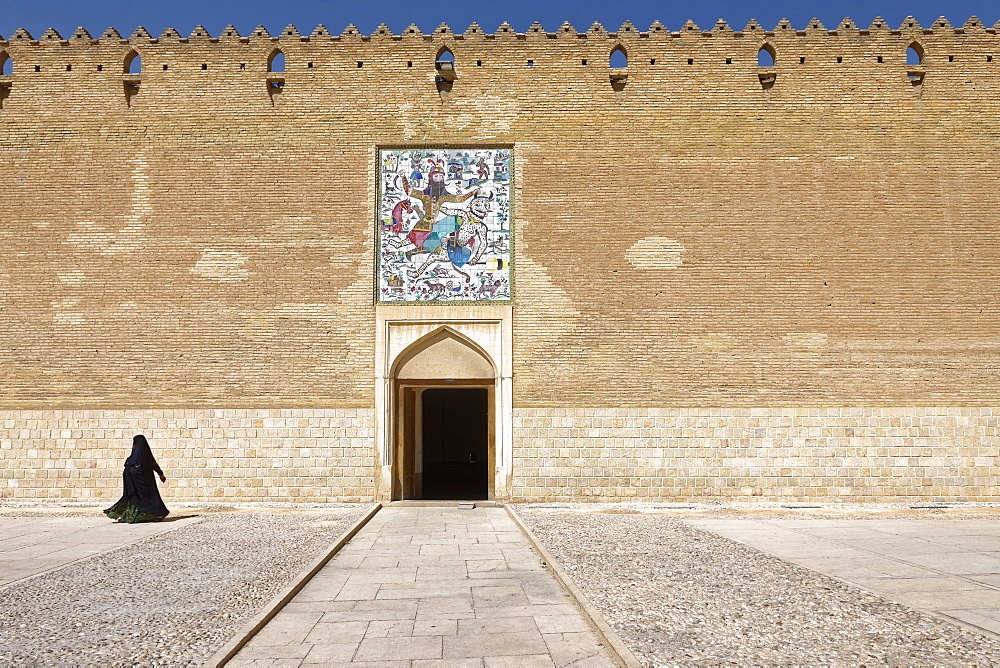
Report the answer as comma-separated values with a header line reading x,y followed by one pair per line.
x,y
410,482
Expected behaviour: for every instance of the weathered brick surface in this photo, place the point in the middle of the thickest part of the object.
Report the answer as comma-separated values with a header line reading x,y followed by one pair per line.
x,y
690,241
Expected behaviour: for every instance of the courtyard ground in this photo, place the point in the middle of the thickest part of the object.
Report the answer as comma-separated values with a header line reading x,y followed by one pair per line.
x,y
680,586
169,593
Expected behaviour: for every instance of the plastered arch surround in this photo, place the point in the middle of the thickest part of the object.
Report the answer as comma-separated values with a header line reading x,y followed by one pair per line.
x,y
444,353
444,342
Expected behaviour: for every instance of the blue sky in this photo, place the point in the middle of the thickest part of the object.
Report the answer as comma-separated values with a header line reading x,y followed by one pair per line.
x,y
184,15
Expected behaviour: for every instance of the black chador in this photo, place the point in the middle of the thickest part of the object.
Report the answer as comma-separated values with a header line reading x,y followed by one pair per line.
x,y
141,501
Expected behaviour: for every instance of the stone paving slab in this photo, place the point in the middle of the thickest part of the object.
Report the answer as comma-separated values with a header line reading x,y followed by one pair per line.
x,y
37,544
948,567
431,586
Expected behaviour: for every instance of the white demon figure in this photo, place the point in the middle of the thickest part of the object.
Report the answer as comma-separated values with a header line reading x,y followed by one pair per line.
x,y
467,243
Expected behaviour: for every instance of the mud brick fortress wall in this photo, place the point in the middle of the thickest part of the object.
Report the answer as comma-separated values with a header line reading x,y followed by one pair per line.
x,y
731,282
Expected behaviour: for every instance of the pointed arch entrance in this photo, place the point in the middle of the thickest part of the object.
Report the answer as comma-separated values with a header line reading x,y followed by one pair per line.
x,y
444,386
443,402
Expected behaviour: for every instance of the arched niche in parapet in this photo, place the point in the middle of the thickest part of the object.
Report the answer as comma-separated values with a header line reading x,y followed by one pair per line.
x,y
915,63
276,61
618,57
444,55
132,63
6,71
767,58
618,67
275,75
444,71
444,354
132,71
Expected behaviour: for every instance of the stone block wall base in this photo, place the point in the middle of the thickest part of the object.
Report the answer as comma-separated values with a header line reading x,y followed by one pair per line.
x,y
829,454
839,454
218,455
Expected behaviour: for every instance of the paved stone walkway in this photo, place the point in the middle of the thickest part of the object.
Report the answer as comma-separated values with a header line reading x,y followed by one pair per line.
x,y
30,545
947,566
430,587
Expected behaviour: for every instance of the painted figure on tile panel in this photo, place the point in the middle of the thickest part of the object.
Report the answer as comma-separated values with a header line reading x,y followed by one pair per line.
x,y
449,241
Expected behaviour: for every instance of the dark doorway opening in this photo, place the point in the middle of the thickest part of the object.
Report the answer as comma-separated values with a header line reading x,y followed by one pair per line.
x,y
455,436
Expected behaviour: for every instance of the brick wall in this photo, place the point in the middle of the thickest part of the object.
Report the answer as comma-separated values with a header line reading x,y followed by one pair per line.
x,y
690,240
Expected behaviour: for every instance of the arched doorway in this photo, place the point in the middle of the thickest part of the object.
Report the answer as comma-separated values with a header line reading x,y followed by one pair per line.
x,y
444,435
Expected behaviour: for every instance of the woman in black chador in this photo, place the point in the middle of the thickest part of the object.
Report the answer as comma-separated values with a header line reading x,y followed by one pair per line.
x,y
141,501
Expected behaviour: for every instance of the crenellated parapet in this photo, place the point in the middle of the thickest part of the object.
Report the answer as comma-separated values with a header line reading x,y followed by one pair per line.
x,y
721,28
752,58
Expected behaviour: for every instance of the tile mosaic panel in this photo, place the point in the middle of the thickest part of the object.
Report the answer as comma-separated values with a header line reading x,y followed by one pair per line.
x,y
444,224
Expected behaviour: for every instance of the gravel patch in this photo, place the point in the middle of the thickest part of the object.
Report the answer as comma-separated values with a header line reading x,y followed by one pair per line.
x,y
172,599
678,595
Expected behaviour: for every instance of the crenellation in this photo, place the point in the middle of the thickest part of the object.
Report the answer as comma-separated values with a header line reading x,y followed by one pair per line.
x,y
111,36
627,29
140,35
973,27
878,27
815,28
81,35
412,31
566,29
690,29
506,31
52,37
847,27
171,36
595,30
200,34
785,29
535,32
321,34
720,29
941,25
228,34
291,33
